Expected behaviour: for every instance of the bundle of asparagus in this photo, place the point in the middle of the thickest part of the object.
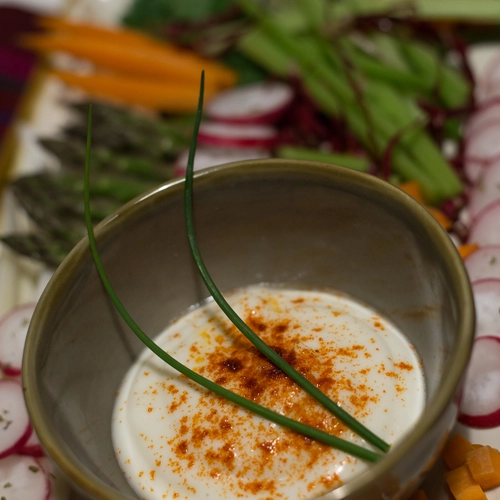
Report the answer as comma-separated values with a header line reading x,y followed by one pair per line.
x,y
132,153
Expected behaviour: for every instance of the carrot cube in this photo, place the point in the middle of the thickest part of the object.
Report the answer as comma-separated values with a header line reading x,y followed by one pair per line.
x,y
455,450
462,485
419,495
484,465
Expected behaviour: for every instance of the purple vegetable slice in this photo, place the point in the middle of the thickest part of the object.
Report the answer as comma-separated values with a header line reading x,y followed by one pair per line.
x,y
15,425
13,330
23,478
257,103
480,403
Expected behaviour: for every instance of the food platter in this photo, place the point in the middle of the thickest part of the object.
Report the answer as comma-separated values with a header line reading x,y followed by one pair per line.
x,y
22,281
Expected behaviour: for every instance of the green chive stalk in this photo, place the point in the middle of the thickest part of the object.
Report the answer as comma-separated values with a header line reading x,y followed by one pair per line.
x,y
274,357
259,410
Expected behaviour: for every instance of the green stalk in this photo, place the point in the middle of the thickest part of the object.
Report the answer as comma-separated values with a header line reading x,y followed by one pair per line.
x,y
344,160
308,431
243,327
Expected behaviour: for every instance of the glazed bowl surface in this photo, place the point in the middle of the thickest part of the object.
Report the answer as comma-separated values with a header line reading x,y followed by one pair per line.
x,y
295,223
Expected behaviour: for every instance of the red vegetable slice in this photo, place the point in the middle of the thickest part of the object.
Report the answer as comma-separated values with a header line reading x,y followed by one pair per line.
x,y
484,263
210,157
483,145
13,330
480,403
32,447
487,301
15,426
485,227
486,190
23,478
237,136
59,487
257,103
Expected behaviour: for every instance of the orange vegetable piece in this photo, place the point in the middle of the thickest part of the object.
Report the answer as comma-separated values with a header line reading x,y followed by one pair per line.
x,y
440,217
157,95
484,465
466,250
419,495
455,451
413,189
462,485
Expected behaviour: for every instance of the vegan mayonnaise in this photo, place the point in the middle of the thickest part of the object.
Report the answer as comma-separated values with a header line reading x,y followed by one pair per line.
x,y
176,440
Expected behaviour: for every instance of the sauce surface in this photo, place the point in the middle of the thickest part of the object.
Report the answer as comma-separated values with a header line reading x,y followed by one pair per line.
x,y
175,440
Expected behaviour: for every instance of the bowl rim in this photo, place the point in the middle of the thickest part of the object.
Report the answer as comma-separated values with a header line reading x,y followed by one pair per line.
x,y
454,368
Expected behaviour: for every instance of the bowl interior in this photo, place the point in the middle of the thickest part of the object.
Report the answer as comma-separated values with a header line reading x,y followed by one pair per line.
x,y
286,223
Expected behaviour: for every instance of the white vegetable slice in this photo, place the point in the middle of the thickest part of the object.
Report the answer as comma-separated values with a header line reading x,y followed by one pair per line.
x,y
257,103
59,487
483,145
13,330
484,263
23,478
210,157
487,114
237,136
480,403
485,227
486,190
15,426
487,301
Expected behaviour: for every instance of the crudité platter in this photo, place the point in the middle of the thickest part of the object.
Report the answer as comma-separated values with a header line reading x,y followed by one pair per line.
x,y
274,116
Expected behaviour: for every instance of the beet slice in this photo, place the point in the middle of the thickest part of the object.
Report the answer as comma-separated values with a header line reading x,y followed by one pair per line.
x,y
23,478
484,263
237,136
485,227
480,403
13,330
256,103
487,302
15,426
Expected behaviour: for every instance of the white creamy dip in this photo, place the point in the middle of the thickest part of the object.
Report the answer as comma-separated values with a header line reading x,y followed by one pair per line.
x,y
175,440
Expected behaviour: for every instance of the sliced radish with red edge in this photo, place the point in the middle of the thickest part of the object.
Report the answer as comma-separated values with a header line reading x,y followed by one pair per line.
x,y
32,447
15,426
485,227
210,157
237,136
59,487
257,103
13,330
486,294
483,145
487,114
484,263
23,478
480,403
486,190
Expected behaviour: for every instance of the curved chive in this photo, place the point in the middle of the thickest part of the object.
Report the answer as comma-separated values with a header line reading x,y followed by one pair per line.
x,y
275,358
306,430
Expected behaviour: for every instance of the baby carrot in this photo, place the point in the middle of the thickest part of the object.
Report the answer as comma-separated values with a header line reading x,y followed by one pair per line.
x,y
157,95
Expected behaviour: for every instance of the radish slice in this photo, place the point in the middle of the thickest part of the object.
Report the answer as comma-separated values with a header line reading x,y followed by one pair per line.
x,y
487,302
483,145
32,447
480,403
59,487
487,114
210,157
13,330
486,190
15,426
485,227
491,79
23,478
474,169
237,136
484,263
257,103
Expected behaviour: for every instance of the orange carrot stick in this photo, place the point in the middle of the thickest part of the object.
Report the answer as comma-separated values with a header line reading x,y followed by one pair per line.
x,y
139,60
110,34
466,250
157,95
